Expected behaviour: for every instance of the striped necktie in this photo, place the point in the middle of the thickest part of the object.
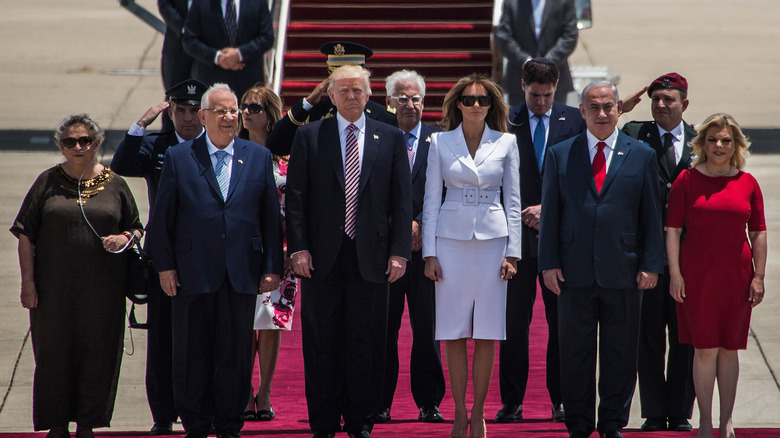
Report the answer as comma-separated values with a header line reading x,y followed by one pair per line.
x,y
223,178
351,180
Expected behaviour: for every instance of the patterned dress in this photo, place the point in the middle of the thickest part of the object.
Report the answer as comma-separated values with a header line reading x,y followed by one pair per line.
x,y
274,310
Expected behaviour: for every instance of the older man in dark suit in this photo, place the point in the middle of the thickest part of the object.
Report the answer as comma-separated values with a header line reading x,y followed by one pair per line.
x,y
142,155
228,39
665,386
406,95
600,246
348,216
530,29
217,242
537,123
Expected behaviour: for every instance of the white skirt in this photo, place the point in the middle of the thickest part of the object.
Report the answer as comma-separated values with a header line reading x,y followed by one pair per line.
x,y
471,296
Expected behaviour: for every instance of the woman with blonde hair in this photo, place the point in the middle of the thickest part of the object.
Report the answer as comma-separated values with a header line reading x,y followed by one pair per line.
x,y
717,271
471,241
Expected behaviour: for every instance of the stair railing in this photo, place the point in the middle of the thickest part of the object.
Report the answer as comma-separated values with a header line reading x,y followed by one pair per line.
x,y
275,57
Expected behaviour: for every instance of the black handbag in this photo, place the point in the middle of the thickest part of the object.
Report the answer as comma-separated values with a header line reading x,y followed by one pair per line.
x,y
140,271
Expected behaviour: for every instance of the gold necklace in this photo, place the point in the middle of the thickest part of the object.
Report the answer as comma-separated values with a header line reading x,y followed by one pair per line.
x,y
707,165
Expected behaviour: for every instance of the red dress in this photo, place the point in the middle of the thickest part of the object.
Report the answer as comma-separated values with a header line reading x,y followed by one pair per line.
x,y
715,257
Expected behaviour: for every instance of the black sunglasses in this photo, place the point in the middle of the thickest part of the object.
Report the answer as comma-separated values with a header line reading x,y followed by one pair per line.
x,y
70,142
471,100
253,108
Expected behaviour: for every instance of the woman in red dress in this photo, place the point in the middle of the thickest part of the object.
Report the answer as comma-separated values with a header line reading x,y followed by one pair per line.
x,y
717,272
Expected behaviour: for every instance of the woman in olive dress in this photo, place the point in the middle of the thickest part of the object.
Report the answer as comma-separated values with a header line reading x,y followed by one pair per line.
x,y
73,224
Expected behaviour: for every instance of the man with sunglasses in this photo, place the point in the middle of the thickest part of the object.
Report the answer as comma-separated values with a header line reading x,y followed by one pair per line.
x,y
405,94
141,155
317,105
539,122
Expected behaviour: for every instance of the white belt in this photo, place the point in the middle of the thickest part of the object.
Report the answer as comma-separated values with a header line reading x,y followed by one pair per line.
x,y
473,196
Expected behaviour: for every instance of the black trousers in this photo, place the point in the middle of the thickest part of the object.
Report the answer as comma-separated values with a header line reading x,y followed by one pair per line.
x,y
344,332
594,317
513,353
427,377
159,356
212,357
670,393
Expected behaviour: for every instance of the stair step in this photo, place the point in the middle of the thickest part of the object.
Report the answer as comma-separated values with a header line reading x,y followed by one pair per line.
x,y
400,10
380,41
384,27
397,57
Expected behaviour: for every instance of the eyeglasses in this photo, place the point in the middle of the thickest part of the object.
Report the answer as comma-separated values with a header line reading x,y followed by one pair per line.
x,y
403,100
223,112
70,142
471,100
253,108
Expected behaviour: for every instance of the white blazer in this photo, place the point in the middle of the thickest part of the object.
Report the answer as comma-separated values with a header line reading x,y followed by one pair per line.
x,y
472,207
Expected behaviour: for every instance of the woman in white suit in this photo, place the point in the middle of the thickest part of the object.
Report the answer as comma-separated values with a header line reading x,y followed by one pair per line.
x,y
471,240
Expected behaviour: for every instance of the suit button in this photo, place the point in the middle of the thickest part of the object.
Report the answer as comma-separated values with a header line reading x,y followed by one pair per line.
x,y
665,228
222,236
666,205
669,185
341,228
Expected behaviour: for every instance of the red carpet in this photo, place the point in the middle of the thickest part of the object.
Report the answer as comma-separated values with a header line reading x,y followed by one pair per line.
x,y
290,404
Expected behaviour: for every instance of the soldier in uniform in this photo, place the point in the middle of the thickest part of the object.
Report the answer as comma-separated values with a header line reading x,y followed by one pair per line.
x,y
141,155
317,105
667,399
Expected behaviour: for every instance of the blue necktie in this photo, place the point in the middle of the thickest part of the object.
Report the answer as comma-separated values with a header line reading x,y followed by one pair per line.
x,y
539,141
409,148
222,174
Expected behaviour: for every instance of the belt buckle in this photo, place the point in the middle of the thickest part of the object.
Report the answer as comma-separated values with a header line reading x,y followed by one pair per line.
x,y
470,196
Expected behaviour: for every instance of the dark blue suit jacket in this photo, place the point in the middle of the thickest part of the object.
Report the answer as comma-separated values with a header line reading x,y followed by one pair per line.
x,y
205,35
565,123
603,238
419,169
315,200
205,238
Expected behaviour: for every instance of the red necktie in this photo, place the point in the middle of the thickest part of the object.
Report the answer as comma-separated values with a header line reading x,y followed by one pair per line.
x,y
351,180
599,166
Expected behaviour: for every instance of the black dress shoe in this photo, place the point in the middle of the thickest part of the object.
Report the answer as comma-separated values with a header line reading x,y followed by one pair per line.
x,y
58,432
195,435
558,414
654,424
430,414
679,424
162,428
361,434
323,435
611,434
383,416
509,414
229,434
579,435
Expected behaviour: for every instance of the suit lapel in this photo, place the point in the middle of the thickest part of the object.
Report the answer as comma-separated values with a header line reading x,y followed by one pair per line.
x,y
216,11
619,155
370,150
329,142
239,155
421,158
487,145
458,148
201,155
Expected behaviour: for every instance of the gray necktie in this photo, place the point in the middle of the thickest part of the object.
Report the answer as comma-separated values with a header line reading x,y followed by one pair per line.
x,y
230,22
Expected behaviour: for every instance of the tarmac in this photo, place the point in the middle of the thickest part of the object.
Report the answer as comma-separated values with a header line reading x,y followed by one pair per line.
x,y
93,56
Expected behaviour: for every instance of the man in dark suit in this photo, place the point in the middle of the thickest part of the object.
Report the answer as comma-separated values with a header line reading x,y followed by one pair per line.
x,y
317,106
348,214
536,123
175,64
228,41
530,29
406,94
600,246
665,386
216,241
143,155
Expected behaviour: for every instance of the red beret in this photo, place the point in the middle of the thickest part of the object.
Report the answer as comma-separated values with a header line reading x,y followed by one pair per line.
x,y
669,80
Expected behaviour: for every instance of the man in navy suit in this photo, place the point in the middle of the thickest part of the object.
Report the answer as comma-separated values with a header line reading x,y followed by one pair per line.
x,y
228,39
406,94
216,241
600,246
175,64
349,209
142,155
537,123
